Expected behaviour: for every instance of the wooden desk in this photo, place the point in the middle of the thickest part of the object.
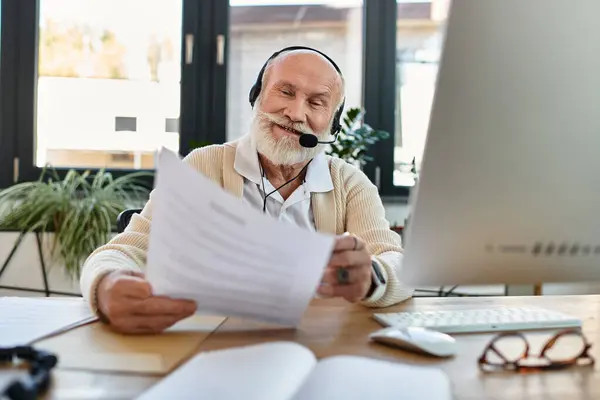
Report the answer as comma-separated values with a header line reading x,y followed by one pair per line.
x,y
333,327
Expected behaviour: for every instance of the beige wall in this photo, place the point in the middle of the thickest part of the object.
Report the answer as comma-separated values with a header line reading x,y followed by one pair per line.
x,y
100,159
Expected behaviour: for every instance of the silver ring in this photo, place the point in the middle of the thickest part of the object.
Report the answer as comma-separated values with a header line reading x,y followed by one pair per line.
x,y
343,276
355,242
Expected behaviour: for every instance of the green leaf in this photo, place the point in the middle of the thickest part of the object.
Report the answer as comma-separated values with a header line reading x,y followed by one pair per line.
x,y
80,209
355,138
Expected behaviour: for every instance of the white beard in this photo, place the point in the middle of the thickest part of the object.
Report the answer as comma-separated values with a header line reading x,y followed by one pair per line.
x,y
286,150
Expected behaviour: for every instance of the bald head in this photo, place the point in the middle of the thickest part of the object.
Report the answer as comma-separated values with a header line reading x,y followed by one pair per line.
x,y
310,65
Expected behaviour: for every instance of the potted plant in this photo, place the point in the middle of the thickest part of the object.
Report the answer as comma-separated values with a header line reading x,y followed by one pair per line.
x,y
355,138
79,212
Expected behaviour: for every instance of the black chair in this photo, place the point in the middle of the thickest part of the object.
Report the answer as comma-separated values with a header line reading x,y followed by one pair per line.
x,y
124,218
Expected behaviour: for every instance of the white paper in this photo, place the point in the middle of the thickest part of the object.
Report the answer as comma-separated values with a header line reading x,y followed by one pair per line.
x,y
25,319
289,371
358,378
207,245
233,374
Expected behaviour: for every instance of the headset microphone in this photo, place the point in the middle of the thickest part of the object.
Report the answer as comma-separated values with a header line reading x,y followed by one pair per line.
x,y
309,140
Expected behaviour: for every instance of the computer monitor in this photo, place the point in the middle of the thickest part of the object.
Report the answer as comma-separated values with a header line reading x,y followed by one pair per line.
x,y
509,189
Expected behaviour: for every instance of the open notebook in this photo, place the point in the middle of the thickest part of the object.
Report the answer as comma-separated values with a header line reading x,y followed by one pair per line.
x,y
289,371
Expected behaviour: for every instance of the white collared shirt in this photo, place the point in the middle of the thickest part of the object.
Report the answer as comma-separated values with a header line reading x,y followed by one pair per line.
x,y
297,207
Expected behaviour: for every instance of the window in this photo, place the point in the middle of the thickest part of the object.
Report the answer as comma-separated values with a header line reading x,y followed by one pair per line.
x,y
98,59
256,31
89,84
125,124
171,125
420,29
106,83
403,40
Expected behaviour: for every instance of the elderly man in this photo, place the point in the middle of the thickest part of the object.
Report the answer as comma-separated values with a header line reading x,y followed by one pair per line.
x,y
280,168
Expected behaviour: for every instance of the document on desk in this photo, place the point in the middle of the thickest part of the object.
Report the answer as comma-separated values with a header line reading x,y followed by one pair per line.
x,y
290,371
25,319
207,245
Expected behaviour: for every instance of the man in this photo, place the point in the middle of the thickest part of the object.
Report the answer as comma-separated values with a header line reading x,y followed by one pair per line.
x,y
298,98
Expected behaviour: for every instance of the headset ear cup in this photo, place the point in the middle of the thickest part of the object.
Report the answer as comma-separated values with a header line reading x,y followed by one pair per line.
x,y
252,95
336,126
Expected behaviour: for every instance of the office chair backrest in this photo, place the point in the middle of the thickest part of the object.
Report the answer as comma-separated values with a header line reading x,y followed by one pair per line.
x,y
124,218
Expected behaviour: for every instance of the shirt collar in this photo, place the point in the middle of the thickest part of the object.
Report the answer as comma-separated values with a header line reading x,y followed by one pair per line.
x,y
246,159
318,176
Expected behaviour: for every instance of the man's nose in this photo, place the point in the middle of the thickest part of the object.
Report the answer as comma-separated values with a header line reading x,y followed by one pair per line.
x,y
295,110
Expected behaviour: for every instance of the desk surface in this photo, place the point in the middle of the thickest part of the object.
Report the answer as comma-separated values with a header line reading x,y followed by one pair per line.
x,y
333,327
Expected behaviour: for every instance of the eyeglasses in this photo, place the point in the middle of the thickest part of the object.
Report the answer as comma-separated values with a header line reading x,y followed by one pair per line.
x,y
511,351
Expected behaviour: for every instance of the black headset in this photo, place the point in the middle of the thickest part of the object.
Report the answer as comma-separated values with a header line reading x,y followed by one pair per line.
x,y
306,140
38,381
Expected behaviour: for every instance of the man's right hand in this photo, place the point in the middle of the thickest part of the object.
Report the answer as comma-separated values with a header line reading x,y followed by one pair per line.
x,y
126,299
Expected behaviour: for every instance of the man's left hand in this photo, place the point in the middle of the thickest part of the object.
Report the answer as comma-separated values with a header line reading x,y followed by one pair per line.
x,y
353,284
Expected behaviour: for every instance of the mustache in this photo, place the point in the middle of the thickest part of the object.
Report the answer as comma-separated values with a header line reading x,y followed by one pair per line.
x,y
285,122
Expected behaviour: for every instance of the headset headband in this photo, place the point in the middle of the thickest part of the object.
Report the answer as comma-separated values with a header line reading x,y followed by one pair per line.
x,y
257,87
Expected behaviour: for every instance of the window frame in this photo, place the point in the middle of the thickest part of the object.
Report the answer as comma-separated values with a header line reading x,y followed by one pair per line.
x,y
9,68
380,100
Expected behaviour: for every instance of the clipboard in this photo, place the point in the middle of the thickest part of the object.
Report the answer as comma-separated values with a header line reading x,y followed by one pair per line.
x,y
96,347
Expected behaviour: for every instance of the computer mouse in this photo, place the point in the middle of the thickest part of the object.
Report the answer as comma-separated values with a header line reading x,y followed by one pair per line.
x,y
417,339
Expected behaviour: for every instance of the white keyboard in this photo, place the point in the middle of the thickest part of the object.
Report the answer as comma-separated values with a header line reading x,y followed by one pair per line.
x,y
480,320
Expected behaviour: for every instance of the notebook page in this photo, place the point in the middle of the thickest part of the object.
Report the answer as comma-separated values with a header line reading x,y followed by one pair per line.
x,y
207,245
26,319
271,371
358,378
